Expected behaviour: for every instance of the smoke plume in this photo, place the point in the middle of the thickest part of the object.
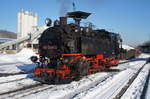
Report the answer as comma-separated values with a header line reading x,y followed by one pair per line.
x,y
64,6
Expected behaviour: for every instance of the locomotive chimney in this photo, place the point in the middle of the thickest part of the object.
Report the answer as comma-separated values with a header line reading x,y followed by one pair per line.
x,y
63,20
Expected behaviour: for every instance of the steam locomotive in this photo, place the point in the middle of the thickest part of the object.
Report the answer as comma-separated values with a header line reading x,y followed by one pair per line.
x,y
68,52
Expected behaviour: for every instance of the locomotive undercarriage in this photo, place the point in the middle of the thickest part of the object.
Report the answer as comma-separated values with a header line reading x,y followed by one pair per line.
x,y
71,67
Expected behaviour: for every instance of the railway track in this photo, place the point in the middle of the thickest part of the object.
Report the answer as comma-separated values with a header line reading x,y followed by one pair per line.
x,y
20,89
18,85
73,91
30,91
111,89
11,74
121,93
80,90
38,87
145,90
12,80
16,79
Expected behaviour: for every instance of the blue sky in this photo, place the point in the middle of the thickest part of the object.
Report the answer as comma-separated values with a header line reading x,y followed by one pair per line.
x,y
130,18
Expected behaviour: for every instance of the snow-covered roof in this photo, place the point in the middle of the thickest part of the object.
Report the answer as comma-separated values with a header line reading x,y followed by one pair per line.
x,y
127,47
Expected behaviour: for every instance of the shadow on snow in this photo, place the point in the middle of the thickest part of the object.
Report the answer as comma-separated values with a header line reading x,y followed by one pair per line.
x,y
28,69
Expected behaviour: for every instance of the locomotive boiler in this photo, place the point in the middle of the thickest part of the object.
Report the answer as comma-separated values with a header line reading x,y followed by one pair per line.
x,y
69,51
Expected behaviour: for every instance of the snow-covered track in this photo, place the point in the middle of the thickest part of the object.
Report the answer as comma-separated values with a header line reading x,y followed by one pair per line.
x,y
14,78
11,74
136,89
89,86
20,89
39,88
72,89
25,92
111,87
120,94
30,91
145,89
50,88
17,85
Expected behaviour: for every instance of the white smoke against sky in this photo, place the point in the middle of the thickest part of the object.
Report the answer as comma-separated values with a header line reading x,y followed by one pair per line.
x,y
65,5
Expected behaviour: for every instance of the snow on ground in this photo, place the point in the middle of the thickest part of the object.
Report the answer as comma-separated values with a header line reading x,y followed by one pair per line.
x,y
127,47
136,88
18,84
148,90
12,78
110,89
94,86
14,63
99,86
70,90
22,56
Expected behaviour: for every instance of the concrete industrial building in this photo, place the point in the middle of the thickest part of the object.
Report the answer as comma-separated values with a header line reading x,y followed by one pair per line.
x,y
26,21
28,32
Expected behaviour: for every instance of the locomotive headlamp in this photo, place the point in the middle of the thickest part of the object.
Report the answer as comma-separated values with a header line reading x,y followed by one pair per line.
x,y
76,30
48,21
81,29
61,58
34,59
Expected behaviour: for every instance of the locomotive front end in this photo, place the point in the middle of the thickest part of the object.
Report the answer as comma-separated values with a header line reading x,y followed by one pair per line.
x,y
51,67
49,43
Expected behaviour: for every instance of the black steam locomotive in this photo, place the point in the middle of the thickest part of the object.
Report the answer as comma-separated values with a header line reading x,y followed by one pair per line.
x,y
69,51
